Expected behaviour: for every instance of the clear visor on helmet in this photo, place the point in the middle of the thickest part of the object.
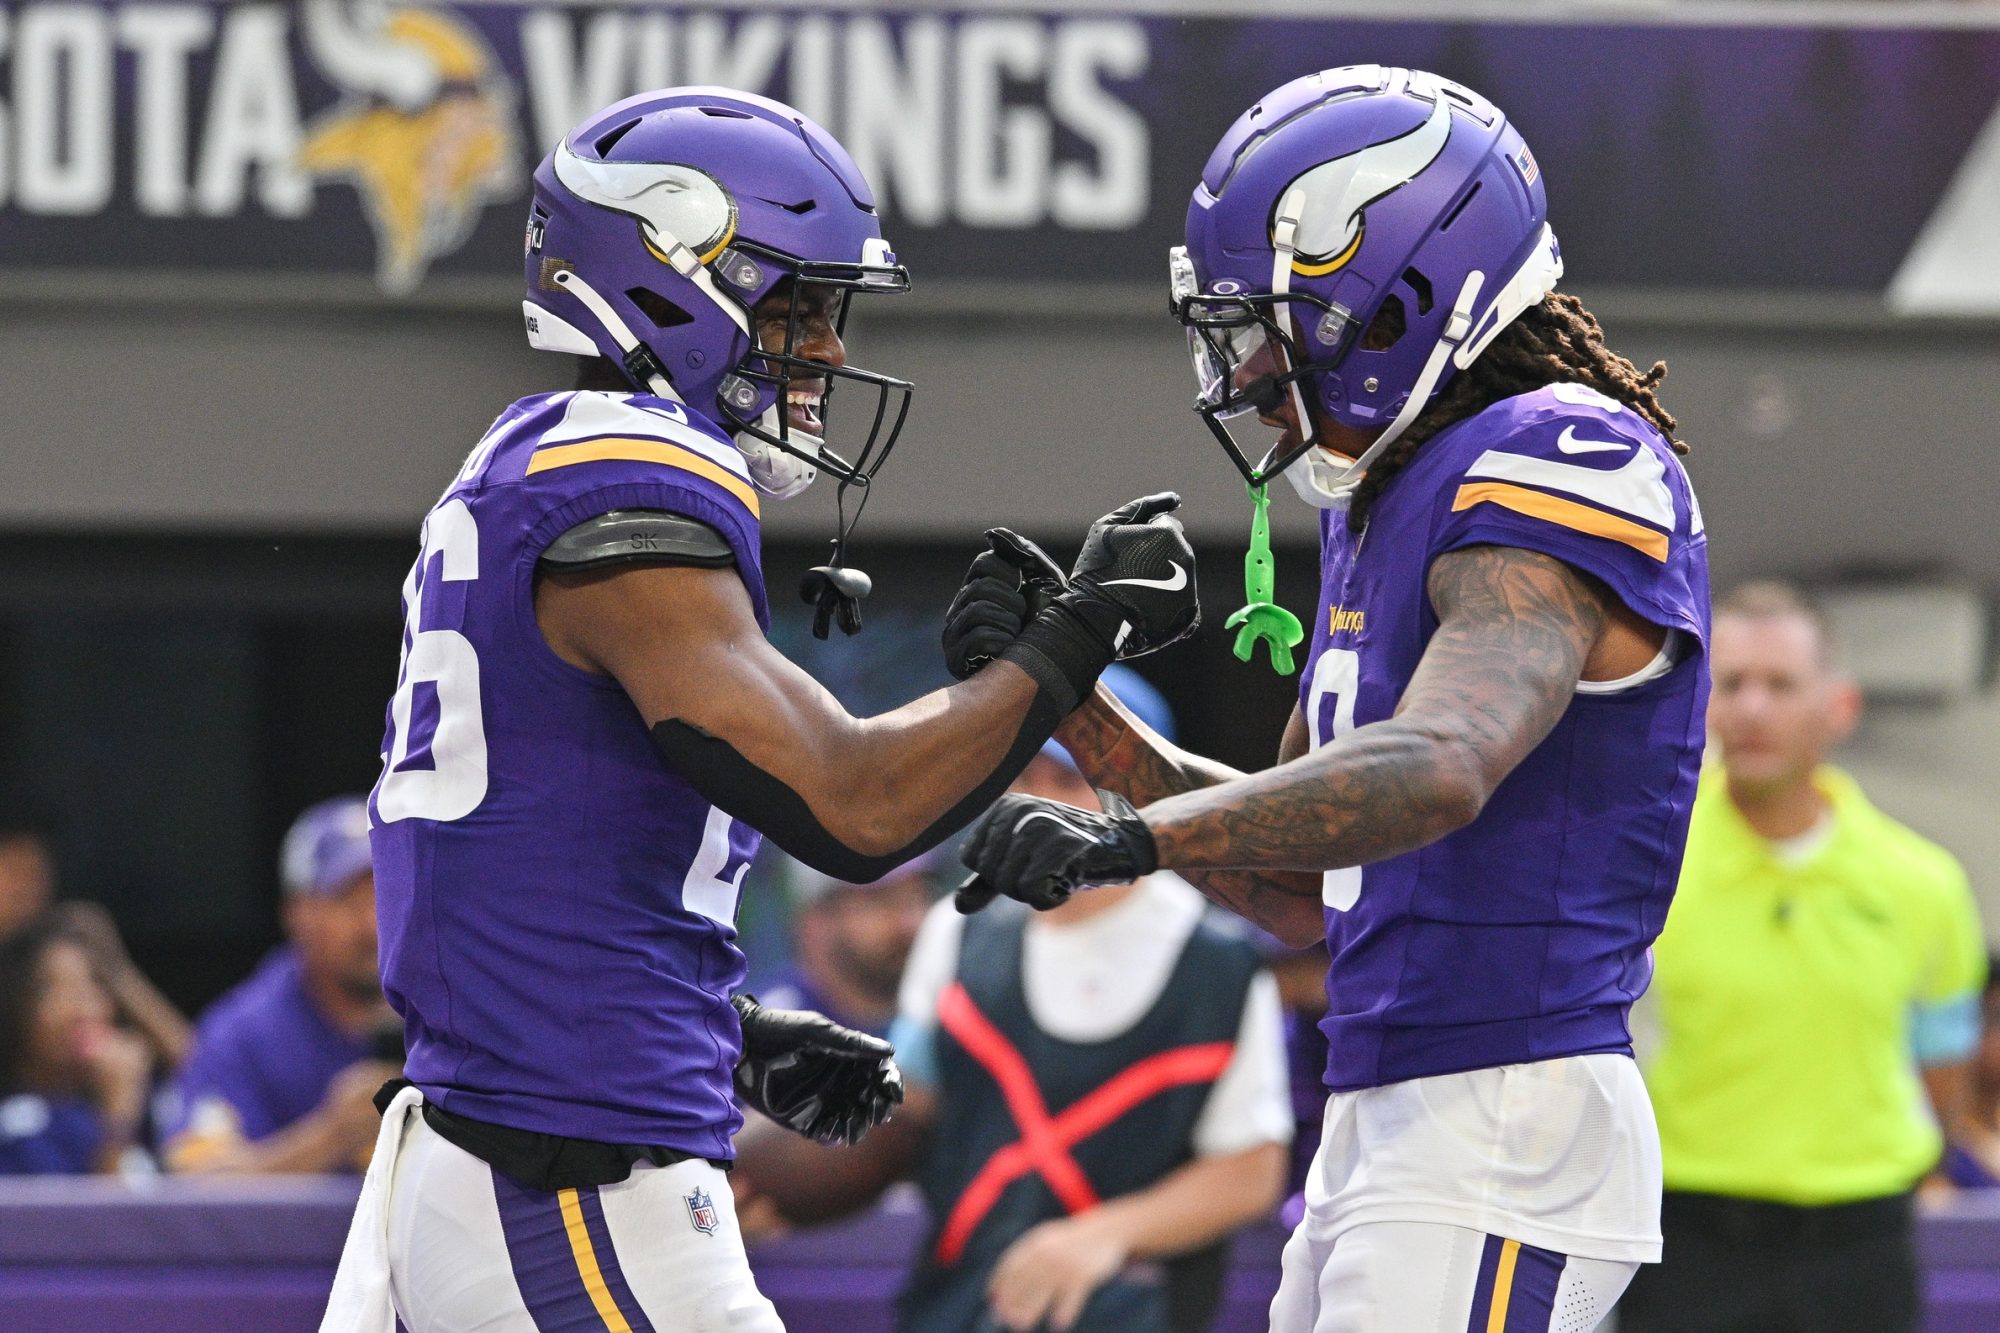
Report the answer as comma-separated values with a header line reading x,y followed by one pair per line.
x,y
1231,356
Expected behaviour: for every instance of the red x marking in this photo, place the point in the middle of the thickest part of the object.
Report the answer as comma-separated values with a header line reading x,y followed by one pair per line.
x,y
1046,1140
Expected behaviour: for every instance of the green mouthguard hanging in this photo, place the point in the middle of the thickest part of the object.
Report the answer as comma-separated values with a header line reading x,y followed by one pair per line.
x,y
1263,618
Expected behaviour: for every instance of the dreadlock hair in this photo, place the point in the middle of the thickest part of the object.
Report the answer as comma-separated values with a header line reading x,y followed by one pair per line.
x,y
1555,342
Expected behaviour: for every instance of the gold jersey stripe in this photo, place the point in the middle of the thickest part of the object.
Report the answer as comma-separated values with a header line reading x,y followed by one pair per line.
x,y
645,451
586,1264
1503,1287
1567,513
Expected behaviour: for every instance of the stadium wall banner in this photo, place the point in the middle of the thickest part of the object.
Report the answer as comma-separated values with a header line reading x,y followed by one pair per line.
x,y
1736,148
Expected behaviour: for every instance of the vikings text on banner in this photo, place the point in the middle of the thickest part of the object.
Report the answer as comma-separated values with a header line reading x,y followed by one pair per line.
x,y
364,137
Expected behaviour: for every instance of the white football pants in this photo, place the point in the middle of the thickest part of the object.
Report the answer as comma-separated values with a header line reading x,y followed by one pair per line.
x,y
1428,1277
472,1252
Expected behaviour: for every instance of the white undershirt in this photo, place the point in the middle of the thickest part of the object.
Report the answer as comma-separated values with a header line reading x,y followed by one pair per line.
x,y
1800,848
1093,980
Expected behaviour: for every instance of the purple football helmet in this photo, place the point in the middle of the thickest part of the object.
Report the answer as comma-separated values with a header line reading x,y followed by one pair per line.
x,y
1339,196
656,228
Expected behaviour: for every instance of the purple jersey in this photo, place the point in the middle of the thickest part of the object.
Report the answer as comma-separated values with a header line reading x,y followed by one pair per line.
x,y
49,1136
557,905
1523,936
263,1058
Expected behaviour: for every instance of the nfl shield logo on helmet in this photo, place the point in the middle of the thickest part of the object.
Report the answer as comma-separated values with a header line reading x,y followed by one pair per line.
x,y
701,1212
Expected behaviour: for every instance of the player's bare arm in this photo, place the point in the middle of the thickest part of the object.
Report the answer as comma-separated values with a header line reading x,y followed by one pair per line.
x,y
1517,631
851,796
685,645
1119,753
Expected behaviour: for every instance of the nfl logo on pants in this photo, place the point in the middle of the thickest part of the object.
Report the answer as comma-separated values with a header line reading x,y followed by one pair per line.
x,y
701,1212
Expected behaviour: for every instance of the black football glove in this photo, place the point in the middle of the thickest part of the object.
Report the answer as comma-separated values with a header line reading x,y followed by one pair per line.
x,y
1134,577
810,1074
1006,587
1132,592
1040,852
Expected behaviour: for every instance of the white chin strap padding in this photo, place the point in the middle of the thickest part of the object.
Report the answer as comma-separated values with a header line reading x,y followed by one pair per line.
x,y
1324,482
776,473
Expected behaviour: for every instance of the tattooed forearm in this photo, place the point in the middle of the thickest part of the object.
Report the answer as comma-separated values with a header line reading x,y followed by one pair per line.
x,y
1514,631
1115,750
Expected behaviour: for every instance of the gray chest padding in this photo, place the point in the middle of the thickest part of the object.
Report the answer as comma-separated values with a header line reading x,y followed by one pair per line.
x,y
638,537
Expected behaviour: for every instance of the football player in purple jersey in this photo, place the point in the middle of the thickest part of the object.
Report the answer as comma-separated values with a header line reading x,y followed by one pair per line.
x,y
1481,800
590,734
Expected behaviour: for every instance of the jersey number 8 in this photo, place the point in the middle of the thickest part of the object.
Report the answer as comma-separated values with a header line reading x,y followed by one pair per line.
x,y
1330,713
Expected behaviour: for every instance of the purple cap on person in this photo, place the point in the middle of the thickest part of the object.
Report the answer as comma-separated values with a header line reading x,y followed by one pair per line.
x,y
327,848
1139,697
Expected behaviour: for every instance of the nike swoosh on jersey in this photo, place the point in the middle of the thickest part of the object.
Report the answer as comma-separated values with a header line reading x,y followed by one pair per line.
x,y
1174,584
1638,487
1569,444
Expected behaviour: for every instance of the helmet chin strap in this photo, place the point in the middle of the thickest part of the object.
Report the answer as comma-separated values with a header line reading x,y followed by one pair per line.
x,y
640,362
1284,243
1325,484
776,473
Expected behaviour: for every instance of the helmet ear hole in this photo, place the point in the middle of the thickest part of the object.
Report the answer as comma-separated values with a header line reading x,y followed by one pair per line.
x,y
1384,331
664,313
1421,285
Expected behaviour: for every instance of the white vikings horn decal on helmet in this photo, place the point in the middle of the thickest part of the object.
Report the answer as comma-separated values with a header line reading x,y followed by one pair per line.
x,y
1336,192
360,56
677,204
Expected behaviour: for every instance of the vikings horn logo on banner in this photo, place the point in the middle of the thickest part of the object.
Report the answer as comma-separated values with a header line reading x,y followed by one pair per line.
x,y
425,135
1338,192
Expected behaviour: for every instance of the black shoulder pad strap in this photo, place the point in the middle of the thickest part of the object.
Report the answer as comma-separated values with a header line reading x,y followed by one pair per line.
x,y
638,537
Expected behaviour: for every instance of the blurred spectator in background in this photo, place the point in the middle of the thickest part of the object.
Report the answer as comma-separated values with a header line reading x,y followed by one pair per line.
x,y
1818,955
73,1086
286,1065
28,889
1097,1102
27,867
850,941
1972,1158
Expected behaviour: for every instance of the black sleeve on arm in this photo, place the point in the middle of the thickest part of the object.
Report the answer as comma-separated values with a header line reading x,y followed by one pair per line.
x,y
726,779
638,537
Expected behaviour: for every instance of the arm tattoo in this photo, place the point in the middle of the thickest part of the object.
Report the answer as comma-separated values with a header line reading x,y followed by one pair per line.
x,y
1115,753
1141,767
1514,630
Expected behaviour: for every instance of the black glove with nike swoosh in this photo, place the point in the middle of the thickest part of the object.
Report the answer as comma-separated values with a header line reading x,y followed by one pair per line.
x,y
811,1075
1039,852
1131,592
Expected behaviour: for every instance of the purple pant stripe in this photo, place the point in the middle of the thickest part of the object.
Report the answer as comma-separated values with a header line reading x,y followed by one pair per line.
x,y
544,1266
1533,1303
1482,1290
607,1260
